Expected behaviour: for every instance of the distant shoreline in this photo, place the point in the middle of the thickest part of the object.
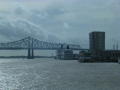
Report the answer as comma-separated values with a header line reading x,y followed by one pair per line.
x,y
26,57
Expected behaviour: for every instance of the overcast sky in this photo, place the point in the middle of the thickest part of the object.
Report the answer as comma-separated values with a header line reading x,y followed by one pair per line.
x,y
66,20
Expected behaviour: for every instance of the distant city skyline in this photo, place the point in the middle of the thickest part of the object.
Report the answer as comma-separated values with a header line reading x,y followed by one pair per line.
x,y
62,20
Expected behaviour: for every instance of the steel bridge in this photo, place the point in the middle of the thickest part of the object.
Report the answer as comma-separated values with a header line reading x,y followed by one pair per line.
x,y
30,43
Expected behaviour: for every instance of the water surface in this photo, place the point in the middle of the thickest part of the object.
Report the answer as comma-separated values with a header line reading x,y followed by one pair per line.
x,y
50,74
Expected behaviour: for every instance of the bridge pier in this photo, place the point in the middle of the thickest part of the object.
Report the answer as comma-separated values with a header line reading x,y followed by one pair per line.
x,y
30,53
30,49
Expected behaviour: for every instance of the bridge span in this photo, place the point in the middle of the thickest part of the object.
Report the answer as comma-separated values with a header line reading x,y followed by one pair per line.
x,y
30,44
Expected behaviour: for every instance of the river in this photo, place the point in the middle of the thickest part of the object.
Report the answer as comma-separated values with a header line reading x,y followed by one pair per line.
x,y
50,74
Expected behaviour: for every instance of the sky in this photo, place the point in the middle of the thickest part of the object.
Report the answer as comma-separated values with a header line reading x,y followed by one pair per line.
x,y
60,20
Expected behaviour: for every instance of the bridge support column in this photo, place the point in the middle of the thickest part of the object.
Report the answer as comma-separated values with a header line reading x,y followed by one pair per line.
x,y
30,53
30,50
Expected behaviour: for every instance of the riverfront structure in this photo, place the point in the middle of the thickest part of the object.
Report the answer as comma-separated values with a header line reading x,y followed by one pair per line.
x,y
97,41
64,53
97,51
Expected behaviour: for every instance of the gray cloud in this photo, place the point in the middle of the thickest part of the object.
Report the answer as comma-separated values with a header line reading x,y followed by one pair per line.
x,y
63,21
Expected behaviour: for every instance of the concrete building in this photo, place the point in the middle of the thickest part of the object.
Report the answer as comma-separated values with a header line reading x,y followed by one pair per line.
x,y
97,41
97,52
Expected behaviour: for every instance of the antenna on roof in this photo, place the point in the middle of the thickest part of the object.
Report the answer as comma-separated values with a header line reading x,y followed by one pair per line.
x,y
117,47
113,46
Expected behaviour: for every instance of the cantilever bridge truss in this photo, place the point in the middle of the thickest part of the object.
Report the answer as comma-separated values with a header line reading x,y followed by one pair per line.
x,y
32,43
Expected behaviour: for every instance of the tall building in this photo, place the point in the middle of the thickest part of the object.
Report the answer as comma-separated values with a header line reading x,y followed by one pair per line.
x,y
97,41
